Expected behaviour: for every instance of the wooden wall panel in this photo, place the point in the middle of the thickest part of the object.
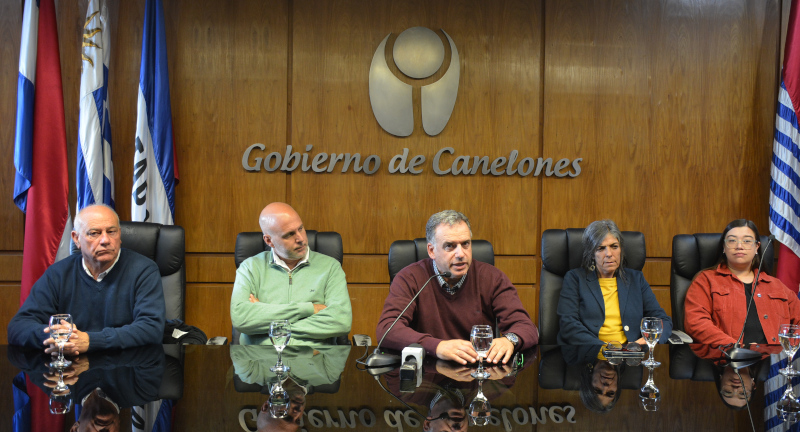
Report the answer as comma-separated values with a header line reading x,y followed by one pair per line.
x,y
228,76
668,103
9,303
497,111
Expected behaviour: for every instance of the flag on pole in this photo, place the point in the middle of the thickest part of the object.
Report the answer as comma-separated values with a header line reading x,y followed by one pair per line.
x,y
40,160
784,200
40,144
94,179
154,173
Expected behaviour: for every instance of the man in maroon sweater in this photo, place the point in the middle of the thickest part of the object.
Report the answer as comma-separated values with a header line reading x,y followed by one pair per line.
x,y
441,318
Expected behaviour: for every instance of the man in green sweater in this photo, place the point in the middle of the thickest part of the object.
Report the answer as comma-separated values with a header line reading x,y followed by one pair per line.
x,y
289,282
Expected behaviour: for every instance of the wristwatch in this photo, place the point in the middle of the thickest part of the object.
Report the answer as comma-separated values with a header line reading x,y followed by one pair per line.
x,y
514,339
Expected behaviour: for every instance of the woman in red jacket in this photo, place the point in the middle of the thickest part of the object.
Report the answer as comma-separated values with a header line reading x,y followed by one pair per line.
x,y
716,303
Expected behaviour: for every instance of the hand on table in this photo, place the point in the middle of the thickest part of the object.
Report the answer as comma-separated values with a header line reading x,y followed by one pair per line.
x,y
457,350
502,349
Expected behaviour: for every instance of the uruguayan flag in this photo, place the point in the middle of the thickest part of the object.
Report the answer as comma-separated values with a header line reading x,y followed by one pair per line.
x,y
94,179
784,199
153,196
774,389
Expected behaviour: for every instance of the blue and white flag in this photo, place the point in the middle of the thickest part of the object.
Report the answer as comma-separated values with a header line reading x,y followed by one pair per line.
x,y
774,389
154,176
94,179
784,199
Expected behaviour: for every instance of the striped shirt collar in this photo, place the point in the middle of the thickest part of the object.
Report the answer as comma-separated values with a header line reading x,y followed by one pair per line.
x,y
447,288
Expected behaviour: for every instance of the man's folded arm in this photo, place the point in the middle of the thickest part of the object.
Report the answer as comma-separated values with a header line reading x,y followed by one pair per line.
x,y
254,318
337,317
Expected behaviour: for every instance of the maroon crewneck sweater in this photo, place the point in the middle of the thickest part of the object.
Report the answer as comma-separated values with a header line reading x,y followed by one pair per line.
x,y
487,294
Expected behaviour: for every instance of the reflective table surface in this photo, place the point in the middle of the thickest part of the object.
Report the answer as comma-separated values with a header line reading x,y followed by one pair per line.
x,y
231,388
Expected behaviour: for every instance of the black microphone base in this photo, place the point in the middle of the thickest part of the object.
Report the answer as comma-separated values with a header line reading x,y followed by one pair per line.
x,y
382,360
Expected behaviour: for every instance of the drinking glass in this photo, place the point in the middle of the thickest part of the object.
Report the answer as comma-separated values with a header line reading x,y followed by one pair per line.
x,y
280,332
60,401
278,400
60,331
481,338
789,406
480,410
789,335
649,395
651,331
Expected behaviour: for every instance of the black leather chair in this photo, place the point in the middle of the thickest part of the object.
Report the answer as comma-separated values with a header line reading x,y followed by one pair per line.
x,y
692,253
249,244
405,252
561,252
166,245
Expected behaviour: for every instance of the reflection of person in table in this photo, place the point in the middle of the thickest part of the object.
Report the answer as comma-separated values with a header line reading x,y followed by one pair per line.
x,y
447,412
98,413
600,385
602,301
310,367
130,377
734,391
290,422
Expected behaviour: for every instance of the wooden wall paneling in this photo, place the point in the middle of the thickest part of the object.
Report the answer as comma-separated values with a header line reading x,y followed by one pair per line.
x,y
208,306
216,268
497,111
9,303
367,302
657,271
655,97
228,77
11,218
366,268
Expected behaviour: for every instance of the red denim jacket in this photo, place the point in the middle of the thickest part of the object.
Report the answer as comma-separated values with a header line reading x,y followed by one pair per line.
x,y
716,308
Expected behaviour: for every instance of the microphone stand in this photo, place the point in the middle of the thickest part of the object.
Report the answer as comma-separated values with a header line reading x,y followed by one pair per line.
x,y
744,356
378,359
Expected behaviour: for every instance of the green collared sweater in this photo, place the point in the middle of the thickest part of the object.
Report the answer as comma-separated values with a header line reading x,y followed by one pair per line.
x,y
290,296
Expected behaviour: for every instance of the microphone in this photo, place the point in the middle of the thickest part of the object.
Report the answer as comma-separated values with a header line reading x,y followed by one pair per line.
x,y
377,359
745,356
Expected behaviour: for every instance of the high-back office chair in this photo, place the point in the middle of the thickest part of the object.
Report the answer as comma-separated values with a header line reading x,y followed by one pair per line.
x,y
562,251
249,244
166,245
405,252
692,253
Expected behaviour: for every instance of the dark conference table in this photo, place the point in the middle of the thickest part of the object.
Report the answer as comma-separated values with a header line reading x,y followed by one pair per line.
x,y
223,388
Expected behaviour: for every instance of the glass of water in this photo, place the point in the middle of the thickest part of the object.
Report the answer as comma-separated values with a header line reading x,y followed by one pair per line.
x,y
481,338
280,332
651,331
789,334
60,331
